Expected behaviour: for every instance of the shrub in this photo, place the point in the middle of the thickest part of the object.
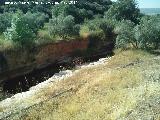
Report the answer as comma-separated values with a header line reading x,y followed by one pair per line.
x,y
76,29
84,31
97,36
82,9
35,20
39,18
22,31
125,34
24,28
146,35
63,26
103,27
5,21
124,10
107,27
60,9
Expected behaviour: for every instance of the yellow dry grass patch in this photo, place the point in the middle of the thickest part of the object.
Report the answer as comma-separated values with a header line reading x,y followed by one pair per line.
x,y
125,57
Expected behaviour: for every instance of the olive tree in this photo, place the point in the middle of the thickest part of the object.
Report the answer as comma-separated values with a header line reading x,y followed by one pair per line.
x,y
124,10
83,9
22,30
5,21
62,26
147,33
36,20
125,33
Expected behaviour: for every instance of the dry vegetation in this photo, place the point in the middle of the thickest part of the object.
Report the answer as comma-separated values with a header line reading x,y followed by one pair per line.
x,y
5,44
127,87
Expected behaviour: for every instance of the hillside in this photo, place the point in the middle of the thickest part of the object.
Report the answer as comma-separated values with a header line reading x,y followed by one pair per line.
x,y
150,11
126,86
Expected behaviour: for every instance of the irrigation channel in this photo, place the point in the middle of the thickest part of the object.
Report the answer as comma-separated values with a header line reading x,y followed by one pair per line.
x,y
26,81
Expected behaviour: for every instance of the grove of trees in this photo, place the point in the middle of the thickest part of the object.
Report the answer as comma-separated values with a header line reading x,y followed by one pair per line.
x,y
98,18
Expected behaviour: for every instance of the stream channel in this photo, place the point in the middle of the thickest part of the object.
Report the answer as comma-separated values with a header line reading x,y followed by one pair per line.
x,y
23,83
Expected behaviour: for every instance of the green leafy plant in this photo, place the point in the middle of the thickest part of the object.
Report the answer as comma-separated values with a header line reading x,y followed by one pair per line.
x,y
125,33
22,31
124,10
145,35
100,27
63,26
5,21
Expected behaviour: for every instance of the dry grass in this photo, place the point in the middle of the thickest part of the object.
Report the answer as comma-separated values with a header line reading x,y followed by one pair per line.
x,y
120,89
5,44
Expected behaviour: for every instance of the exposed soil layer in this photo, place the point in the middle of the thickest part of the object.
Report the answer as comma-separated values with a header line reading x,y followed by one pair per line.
x,y
34,68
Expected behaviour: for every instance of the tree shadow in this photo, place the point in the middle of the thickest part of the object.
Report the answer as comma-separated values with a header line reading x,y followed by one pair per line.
x,y
155,52
3,63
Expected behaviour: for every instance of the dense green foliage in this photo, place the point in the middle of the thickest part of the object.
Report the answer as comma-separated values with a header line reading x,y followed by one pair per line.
x,y
145,35
99,27
125,33
124,10
23,29
64,19
5,21
34,21
96,19
63,26
43,8
84,9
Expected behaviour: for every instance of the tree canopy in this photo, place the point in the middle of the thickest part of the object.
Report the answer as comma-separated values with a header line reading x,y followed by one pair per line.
x,y
84,9
124,10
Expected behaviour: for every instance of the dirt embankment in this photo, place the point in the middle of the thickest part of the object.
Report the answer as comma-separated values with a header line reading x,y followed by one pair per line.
x,y
18,62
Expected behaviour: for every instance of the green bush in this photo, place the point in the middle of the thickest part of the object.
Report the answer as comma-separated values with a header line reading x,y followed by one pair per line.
x,y
22,31
76,29
63,26
40,18
102,27
24,28
35,21
107,27
124,10
5,21
146,35
60,9
84,9
97,36
125,33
